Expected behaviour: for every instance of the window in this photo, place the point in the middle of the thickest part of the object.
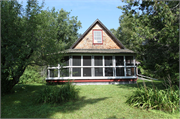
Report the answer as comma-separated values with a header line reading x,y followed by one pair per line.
x,y
119,71
76,60
108,60
119,61
77,72
98,61
98,71
97,37
86,71
86,60
130,71
53,72
129,60
64,72
108,71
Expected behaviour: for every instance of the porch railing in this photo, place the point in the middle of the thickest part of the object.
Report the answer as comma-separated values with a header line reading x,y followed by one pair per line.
x,y
146,77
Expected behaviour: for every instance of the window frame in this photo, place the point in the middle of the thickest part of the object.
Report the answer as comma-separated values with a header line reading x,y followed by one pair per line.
x,y
101,36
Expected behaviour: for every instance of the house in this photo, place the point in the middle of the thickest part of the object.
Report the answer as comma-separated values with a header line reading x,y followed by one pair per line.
x,y
96,57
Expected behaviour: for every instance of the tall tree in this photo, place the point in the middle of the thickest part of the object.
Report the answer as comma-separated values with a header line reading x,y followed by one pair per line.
x,y
31,36
154,35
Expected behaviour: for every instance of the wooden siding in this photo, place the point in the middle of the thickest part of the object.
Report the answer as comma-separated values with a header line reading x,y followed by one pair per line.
x,y
87,41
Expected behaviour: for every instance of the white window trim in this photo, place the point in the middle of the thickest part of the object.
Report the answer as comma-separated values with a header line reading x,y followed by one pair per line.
x,y
92,68
58,70
95,30
81,66
124,66
114,66
103,66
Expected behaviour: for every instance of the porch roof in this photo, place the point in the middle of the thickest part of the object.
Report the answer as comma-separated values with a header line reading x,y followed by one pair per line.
x,y
99,51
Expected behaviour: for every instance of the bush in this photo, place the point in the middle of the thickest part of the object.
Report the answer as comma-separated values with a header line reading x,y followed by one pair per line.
x,y
32,74
57,93
152,98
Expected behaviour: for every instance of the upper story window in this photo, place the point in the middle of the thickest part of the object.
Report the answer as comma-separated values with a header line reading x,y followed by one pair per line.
x,y
97,37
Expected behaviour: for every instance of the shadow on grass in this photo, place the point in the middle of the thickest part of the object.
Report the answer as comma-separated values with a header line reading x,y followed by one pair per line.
x,y
76,105
20,104
158,84
114,117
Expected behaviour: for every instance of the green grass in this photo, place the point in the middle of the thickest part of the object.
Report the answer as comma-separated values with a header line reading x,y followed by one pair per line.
x,y
96,101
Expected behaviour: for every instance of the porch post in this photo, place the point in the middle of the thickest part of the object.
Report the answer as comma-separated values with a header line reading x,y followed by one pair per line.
x,y
124,66
58,70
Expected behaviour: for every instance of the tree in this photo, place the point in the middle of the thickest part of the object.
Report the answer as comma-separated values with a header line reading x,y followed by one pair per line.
x,y
154,35
32,37
125,31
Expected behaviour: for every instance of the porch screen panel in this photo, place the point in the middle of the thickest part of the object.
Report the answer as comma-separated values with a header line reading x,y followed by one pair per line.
x,y
53,72
130,71
98,71
76,60
108,60
86,72
119,71
64,72
119,61
76,72
86,60
98,61
129,60
108,71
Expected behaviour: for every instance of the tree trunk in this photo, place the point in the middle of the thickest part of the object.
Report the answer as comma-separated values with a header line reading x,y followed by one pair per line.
x,y
7,84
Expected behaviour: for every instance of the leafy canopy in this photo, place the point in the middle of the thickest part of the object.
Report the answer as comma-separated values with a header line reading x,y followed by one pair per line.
x,y
151,29
32,36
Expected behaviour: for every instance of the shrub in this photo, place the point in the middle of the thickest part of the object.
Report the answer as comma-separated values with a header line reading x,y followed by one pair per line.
x,y
152,98
32,74
57,93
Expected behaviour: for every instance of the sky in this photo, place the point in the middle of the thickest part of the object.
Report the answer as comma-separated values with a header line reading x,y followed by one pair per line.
x,y
88,11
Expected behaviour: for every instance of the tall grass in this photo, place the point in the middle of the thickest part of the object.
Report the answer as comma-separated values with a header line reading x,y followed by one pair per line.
x,y
148,98
152,98
57,93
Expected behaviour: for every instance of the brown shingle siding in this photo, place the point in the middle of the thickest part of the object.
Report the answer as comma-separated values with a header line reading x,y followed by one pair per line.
x,y
87,41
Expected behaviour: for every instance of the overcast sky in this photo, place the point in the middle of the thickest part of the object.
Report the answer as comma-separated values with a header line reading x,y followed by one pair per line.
x,y
88,11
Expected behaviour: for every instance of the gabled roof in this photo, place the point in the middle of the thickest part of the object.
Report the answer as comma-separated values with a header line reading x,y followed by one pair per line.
x,y
104,27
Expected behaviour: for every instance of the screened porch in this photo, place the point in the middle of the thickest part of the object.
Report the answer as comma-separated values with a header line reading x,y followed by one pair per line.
x,y
87,66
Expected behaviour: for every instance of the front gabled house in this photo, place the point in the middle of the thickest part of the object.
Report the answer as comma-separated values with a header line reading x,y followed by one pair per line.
x,y
96,57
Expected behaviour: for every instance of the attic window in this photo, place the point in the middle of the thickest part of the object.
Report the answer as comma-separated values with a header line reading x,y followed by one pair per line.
x,y
97,37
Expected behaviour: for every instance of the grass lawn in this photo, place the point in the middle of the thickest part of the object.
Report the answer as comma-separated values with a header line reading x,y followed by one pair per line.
x,y
97,101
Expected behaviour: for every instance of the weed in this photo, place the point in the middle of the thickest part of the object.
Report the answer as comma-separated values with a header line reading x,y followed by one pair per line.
x,y
153,98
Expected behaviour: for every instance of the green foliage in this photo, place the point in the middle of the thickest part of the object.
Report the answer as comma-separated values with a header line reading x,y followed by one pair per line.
x,y
57,94
153,98
33,74
32,36
151,29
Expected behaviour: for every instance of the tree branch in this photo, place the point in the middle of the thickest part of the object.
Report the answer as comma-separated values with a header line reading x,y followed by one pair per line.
x,y
174,7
